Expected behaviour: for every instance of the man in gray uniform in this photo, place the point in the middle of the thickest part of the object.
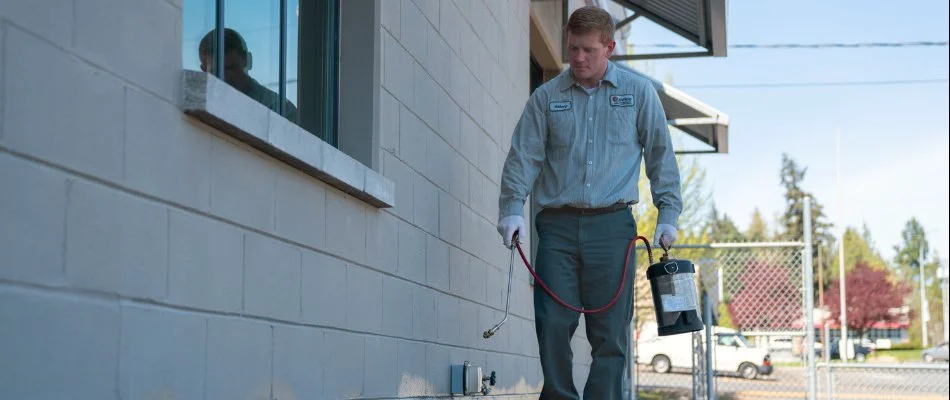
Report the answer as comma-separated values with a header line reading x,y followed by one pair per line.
x,y
238,61
577,148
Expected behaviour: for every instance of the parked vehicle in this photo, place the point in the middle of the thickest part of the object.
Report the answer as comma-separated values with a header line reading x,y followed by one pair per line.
x,y
859,352
936,353
733,354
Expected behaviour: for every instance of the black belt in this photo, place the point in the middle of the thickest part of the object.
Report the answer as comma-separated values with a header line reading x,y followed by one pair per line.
x,y
588,211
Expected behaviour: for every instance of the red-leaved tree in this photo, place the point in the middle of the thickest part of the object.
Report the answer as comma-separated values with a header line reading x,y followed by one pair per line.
x,y
766,299
870,298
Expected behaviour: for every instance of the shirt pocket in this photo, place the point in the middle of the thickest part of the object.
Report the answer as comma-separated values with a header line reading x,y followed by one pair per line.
x,y
622,128
561,128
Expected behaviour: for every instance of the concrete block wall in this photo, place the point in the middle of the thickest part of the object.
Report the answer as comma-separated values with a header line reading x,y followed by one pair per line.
x,y
145,255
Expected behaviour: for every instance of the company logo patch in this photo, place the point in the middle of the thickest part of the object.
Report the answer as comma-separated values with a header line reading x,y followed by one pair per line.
x,y
621,100
559,105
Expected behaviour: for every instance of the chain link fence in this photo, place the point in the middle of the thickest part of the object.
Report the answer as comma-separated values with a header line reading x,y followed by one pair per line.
x,y
884,381
758,293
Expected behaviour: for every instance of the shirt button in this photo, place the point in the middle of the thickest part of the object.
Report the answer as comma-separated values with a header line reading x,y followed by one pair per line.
x,y
590,140
590,163
588,185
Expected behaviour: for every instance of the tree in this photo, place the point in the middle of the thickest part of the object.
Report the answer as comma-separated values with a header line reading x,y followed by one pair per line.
x,y
792,225
758,229
914,247
766,298
857,250
722,229
871,298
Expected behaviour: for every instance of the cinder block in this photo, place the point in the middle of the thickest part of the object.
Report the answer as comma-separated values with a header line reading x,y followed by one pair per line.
x,y
49,20
413,136
413,31
449,319
382,377
57,348
34,218
398,70
165,156
438,370
206,263
343,377
346,226
162,355
470,332
239,359
391,16
85,133
299,362
426,92
425,316
389,118
301,208
397,310
460,267
449,117
426,204
450,219
324,288
272,278
364,299
115,242
440,159
242,185
139,40
412,253
449,23
469,136
437,263
401,175
412,363
382,241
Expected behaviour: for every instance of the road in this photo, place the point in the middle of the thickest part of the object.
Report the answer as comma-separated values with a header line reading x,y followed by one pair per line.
x,y
902,382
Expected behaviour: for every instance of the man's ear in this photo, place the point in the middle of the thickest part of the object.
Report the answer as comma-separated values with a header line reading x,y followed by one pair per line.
x,y
610,48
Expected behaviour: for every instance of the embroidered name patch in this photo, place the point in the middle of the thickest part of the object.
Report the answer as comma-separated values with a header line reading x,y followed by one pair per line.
x,y
621,100
559,105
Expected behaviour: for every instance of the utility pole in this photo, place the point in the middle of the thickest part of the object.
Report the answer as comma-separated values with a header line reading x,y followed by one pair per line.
x,y
843,343
924,309
946,310
821,281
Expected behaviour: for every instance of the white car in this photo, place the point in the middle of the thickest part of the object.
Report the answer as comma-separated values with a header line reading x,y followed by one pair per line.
x,y
733,354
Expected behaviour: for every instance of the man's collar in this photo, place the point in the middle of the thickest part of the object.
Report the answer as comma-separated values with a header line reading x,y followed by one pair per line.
x,y
567,78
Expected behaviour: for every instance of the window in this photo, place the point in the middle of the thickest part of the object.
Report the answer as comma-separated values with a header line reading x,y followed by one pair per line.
x,y
281,53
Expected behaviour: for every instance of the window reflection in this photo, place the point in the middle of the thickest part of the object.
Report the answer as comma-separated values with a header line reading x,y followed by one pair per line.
x,y
238,61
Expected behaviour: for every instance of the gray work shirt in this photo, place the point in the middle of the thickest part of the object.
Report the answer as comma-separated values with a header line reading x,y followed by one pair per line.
x,y
583,150
271,100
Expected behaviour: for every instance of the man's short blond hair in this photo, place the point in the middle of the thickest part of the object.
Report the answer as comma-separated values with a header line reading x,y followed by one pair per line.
x,y
589,19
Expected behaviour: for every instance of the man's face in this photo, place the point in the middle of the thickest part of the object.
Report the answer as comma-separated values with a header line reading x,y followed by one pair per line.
x,y
588,55
234,63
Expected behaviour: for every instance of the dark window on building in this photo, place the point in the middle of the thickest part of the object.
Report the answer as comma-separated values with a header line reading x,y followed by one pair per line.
x,y
281,53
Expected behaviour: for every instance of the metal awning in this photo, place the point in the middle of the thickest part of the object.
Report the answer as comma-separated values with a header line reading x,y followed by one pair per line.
x,y
697,119
702,22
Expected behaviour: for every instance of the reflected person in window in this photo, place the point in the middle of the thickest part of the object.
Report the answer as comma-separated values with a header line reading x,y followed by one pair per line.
x,y
237,63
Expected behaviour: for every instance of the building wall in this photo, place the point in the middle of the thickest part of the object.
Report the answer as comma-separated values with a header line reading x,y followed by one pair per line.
x,y
144,254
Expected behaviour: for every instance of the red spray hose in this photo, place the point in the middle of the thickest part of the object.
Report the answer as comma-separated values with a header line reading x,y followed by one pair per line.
x,y
623,278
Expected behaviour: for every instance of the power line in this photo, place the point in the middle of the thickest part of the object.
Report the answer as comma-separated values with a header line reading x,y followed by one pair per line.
x,y
808,45
814,84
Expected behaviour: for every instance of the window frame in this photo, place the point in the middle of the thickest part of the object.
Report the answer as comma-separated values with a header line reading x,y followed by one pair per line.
x,y
318,109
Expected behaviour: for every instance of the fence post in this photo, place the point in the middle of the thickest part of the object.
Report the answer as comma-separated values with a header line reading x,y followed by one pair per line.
x,y
707,316
827,353
809,304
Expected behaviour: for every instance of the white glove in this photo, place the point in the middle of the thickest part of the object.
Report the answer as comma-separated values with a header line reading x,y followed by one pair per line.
x,y
507,227
665,235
